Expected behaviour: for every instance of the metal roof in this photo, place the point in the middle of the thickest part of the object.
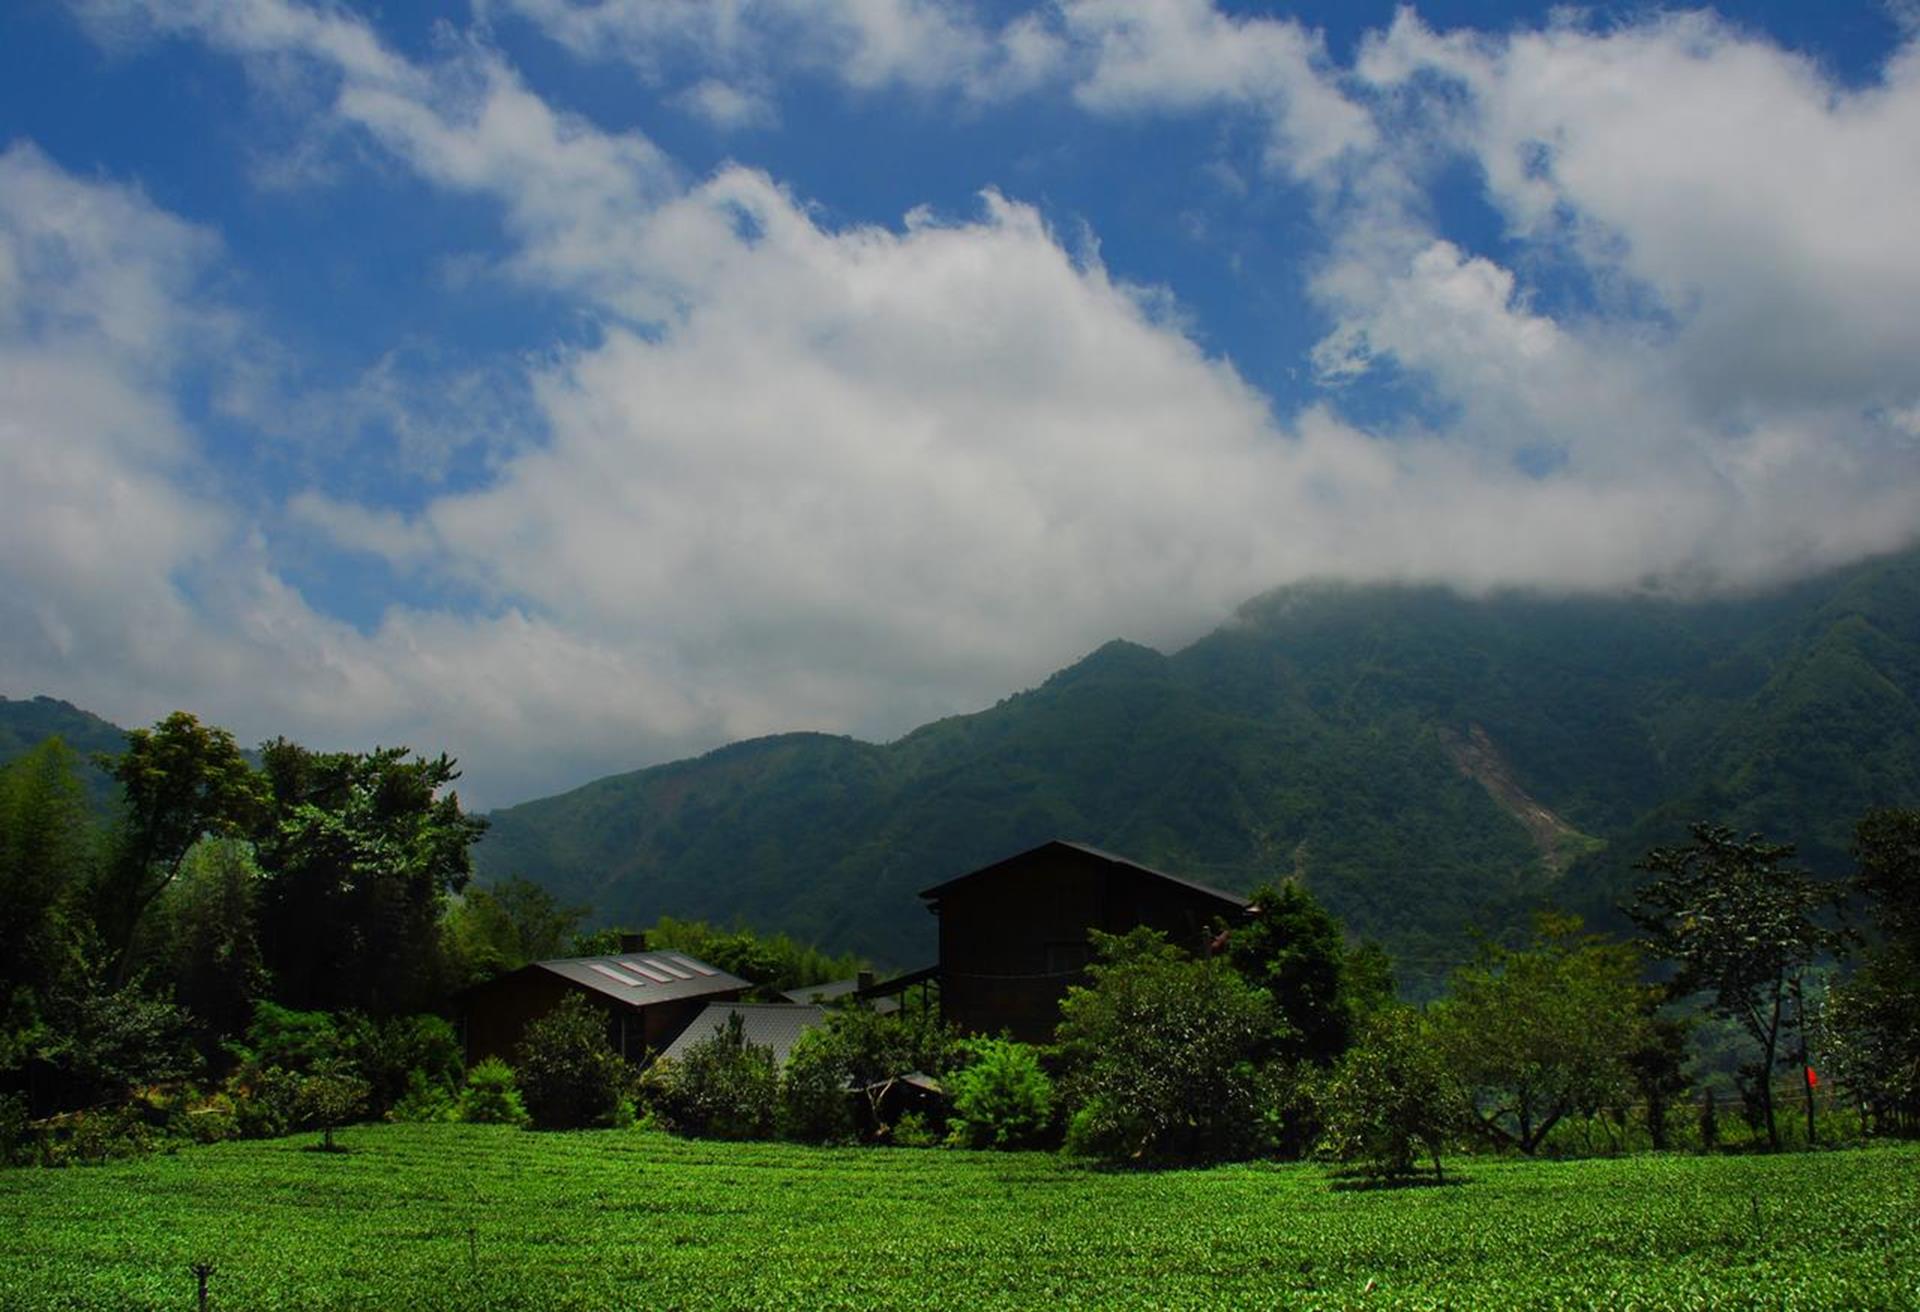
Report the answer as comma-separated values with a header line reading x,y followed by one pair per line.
x,y
1231,899
640,979
776,1025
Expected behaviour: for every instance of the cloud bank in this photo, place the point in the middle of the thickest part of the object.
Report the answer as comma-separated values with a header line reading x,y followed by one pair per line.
x,y
818,475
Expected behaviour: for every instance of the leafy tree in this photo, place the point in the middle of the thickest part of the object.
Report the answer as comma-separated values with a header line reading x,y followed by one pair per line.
x,y
1002,1097
47,853
359,856
723,1086
502,926
1162,1054
1538,1034
1391,1097
1742,924
570,1076
1293,949
208,945
330,1096
179,781
1872,1022
105,1043
814,1091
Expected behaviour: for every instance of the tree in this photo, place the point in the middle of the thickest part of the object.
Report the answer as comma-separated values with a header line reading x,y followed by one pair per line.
x,y
47,855
179,781
570,1076
1871,1029
331,1095
207,940
1535,1035
1163,1054
1743,925
1292,948
358,858
502,926
1391,1096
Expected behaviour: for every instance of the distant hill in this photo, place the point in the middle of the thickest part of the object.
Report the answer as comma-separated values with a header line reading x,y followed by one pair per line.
x,y
27,723
1426,762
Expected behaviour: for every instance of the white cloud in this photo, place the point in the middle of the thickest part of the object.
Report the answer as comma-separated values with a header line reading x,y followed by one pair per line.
x,y
727,107
918,45
850,477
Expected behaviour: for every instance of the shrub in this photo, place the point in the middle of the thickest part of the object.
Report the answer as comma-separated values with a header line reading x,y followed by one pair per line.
x,y
570,1078
16,1132
1163,1055
490,1097
914,1130
264,1100
291,1040
1002,1098
1389,1097
814,1091
426,1100
388,1054
724,1087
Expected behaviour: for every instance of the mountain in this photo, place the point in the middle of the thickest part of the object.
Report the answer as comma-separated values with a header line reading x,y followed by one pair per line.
x,y
25,724
1428,763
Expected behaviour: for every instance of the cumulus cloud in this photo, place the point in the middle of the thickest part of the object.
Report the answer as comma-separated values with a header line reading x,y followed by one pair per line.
x,y
851,476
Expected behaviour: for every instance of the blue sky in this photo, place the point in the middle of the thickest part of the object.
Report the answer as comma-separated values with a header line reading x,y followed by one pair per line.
x,y
575,384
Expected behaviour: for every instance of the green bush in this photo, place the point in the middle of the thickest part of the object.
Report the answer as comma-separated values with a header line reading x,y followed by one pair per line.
x,y
264,1100
1390,1097
426,1100
814,1093
570,1078
16,1131
390,1053
723,1088
490,1097
914,1130
1164,1056
1001,1098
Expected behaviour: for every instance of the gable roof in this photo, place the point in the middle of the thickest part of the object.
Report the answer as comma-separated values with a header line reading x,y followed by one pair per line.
x,y
640,979
776,1025
1228,900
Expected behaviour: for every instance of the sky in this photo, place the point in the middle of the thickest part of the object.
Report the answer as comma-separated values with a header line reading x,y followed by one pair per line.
x,y
573,385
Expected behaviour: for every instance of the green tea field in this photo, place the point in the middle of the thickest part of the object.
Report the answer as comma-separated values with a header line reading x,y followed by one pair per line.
x,y
456,1216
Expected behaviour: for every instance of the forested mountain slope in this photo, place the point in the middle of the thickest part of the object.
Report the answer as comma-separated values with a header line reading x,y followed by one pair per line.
x,y
26,723
1425,762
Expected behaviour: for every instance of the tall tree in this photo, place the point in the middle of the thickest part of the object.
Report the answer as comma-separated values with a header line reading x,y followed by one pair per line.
x,y
1292,948
1872,1020
1743,924
179,780
358,857
1537,1034
208,932
47,850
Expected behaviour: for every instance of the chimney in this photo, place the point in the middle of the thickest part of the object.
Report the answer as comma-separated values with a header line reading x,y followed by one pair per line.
x,y
632,941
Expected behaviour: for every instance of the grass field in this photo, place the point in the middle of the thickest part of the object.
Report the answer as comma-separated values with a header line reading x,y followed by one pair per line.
x,y
454,1216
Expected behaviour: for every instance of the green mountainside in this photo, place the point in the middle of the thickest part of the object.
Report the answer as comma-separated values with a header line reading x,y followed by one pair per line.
x,y
27,723
1427,763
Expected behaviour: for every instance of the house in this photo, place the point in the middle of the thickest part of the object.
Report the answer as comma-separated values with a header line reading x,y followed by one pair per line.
x,y
648,999
1013,935
776,1025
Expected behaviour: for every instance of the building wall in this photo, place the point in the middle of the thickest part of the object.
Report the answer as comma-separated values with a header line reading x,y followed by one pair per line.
x,y
1014,940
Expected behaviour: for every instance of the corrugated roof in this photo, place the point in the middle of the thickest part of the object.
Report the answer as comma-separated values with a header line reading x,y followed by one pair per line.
x,y
941,890
640,979
839,988
776,1025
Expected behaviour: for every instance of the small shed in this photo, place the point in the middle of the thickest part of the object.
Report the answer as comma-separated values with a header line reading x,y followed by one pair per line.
x,y
648,998
776,1025
1013,935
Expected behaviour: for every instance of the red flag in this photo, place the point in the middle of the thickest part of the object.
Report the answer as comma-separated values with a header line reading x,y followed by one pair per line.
x,y
1812,1079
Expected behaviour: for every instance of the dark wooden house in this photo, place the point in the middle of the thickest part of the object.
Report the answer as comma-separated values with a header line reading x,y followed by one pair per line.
x,y
1013,936
648,998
